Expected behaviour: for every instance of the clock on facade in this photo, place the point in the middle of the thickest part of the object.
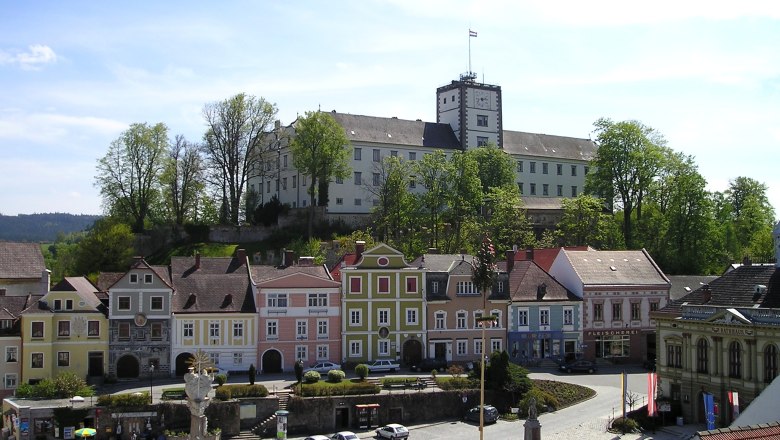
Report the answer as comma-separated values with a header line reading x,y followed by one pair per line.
x,y
482,99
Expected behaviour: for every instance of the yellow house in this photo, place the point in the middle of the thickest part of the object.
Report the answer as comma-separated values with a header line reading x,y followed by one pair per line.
x,y
65,330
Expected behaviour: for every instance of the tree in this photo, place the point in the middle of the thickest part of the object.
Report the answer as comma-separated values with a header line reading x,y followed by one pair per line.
x,y
433,173
751,212
128,176
464,197
182,180
495,167
506,220
107,247
252,374
239,130
394,198
584,222
628,158
321,151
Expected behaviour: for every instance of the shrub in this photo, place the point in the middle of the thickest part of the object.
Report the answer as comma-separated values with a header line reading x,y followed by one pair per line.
x,y
624,425
220,379
458,383
455,370
338,389
336,376
241,390
252,374
311,377
543,401
68,384
361,371
133,400
223,393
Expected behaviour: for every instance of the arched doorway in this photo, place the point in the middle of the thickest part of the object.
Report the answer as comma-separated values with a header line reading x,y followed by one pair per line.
x,y
272,362
181,364
412,352
127,367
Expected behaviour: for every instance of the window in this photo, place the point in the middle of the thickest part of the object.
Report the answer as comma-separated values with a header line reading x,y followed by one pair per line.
x,y
673,355
36,361
358,154
355,284
545,189
560,191
439,319
301,329
636,311
770,363
519,166
411,284
284,160
495,345
339,200
568,316
559,169
613,346
522,317
460,320
11,354
238,329
435,287
147,278
462,347
318,300
339,180
598,312
375,179
301,352
544,167
383,347
93,328
377,156
574,191
383,285
393,153
477,317
284,183
124,331
68,304
268,187
702,349
544,316
533,167
157,303
37,329
277,300
574,170
383,316
355,317
465,288
214,329
411,316
295,181
322,329
214,357
322,352
238,358
586,170
188,330
412,155
355,348
358,178
653,306
63,358
11,381
358,202
533,189
482,141
478,346
412,182
303,180
617,309
272,329
496,323
133,278
57,304
482,121
6,323
520,187
735,360
124,303
156,331
63,328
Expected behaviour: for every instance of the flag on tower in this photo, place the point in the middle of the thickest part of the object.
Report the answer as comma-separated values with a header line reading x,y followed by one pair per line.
x,y
472,33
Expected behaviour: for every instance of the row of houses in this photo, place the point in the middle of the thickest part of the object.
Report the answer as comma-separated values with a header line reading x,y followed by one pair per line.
x,y
374,304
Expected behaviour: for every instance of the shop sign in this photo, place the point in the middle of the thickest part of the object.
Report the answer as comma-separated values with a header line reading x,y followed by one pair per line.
x,y
612,332
733,331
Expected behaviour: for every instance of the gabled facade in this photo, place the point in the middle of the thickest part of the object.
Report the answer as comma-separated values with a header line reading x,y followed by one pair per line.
x,y
454,305
545,319
382,307
619,289
213,311
140,322
299,315
11,308
65,330
22,269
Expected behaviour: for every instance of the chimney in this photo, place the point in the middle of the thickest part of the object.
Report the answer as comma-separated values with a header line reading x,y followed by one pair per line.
x,y
360,247
45,281
746,261
433,251
197,261
306,261
529,254
706,293
241,255
510,260
288,258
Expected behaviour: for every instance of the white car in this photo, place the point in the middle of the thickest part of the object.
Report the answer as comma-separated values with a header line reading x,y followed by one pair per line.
x,y
345,435
323,367
316,437
383,365
393,431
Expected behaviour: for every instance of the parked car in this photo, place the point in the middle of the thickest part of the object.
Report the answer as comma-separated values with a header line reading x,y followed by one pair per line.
x,y
430,364
491,414
323,367
216,371
393,431
316,437
383,365
345,435
581,366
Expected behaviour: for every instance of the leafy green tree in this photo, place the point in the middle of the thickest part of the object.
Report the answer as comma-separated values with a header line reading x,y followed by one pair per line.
x,y
496,168
128,176
464,198
182,180
433,171
751,211
321,151
584,222
308,248
628,158
394,198
506,221
107,247
239,132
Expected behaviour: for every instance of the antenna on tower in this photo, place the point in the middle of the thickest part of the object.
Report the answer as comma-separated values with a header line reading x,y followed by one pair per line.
x,y
470,75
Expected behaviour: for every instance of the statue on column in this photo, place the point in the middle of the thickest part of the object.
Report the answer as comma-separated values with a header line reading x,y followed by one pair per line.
x,y
197,387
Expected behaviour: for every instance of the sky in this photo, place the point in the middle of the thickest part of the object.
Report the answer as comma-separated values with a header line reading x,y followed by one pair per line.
x,y
74,75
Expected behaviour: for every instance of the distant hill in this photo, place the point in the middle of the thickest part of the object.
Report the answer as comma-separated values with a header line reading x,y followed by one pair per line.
x,y
42,227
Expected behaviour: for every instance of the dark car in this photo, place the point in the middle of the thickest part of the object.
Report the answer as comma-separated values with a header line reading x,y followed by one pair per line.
x,y
430,364
491,414
580,366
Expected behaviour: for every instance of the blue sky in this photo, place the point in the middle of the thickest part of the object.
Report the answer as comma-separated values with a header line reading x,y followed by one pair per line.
x,y
75,74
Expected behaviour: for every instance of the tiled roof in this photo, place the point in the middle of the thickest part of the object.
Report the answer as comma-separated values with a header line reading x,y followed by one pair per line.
x,y
85,289
219,284
108,279
454,264
544,257
262,273
762,431
21,260
348,260
736,289
615,268
685,284
524,282
545,145
13,306
397,131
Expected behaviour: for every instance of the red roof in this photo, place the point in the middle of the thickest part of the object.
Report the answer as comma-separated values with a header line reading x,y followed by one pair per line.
x,y
348,260
762,431
545,257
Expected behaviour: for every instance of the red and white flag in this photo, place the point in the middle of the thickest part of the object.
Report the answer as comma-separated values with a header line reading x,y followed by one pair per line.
x,y
652,386
472,33
734,401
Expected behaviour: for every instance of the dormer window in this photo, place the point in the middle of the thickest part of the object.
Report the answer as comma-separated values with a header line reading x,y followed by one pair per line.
x,y
133,278
57,304
148,278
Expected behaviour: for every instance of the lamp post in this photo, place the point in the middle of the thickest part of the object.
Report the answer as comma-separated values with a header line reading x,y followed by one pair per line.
x,y
151,384
484,272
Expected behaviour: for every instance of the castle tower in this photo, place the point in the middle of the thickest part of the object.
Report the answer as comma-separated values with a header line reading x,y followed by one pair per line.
x,y
473,110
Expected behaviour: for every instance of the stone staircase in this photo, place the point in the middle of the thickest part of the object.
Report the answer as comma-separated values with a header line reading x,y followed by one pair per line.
x,y
245,435
269,424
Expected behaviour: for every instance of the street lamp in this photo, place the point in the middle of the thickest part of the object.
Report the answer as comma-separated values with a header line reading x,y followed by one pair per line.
x,y
151,384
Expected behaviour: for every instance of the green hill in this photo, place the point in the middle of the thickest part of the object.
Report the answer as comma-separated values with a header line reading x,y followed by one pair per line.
x,y
42,227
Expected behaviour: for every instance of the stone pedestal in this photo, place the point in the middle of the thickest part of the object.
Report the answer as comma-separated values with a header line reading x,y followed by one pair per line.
x,y
198,386
533,430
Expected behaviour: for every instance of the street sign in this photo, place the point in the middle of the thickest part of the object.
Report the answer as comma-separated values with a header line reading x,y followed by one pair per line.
x,y
665,407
